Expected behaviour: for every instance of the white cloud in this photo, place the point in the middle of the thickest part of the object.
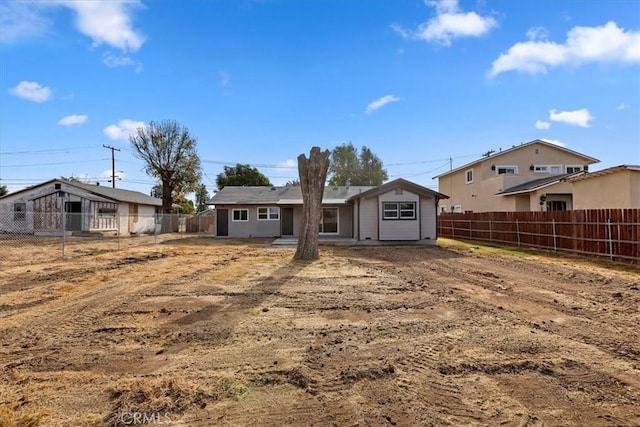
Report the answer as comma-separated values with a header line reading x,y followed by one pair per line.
x,y
107,22
123,129
73,120
287,164
20,20
537,33
554,141
381,102
622,106
113,61
32,91
580,117
224,79
542,125
608,43
107,175
450,23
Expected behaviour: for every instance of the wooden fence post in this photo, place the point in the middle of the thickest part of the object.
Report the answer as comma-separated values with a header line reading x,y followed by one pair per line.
x,y
518,231
610,239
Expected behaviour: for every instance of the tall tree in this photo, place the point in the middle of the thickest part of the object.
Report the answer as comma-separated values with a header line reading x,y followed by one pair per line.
x,y
169,150
3,190
241,175
202,197
313,174
293,182
347,165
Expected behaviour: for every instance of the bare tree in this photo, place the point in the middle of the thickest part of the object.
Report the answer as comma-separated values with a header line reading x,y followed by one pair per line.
x,y
313,174
169,151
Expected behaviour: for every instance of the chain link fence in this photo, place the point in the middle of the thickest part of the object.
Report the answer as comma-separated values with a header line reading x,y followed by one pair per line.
x,y
31,237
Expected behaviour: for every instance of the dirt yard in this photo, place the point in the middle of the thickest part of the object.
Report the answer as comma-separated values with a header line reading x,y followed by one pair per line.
x,y
204,332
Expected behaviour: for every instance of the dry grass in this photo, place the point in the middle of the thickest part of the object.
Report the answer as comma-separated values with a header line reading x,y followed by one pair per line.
x,y
13,416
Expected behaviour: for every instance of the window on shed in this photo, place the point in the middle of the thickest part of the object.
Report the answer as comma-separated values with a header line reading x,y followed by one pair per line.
x,y
269,214
240,215
19,211
398,210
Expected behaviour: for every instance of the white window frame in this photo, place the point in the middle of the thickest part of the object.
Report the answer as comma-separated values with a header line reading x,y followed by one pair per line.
x,y
546,168
580,167
457,209
399,210
269,213
233,215
507,167
466,176
443,208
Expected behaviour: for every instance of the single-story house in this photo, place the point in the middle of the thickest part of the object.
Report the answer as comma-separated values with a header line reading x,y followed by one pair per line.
x,y
616,187
399,210
57,204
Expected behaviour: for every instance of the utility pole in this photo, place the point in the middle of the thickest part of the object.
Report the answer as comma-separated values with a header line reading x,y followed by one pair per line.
x,y
450,163
113,164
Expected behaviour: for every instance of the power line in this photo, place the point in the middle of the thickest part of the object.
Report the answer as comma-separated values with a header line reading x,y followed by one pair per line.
x,y
53,163
50,150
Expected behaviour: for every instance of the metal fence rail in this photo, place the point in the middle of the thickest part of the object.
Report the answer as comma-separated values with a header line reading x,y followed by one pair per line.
x,y
28,237
612,233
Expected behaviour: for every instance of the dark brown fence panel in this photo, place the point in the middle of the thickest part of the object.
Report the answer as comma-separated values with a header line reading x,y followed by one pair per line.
x,y
612,233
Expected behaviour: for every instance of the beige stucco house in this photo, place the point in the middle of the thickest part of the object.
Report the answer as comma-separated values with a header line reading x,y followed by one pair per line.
x,y
528,177
617,187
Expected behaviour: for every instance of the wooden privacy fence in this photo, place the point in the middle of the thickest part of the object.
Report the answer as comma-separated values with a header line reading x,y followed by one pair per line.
x,y
612,233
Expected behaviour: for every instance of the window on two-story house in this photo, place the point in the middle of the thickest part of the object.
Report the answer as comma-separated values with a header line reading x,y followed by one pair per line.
x,y
556,205
506,170
550,169
268,214
468,178
20,212
574,168
240,215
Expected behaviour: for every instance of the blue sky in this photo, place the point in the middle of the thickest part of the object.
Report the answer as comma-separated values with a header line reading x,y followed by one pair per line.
x,y
261,82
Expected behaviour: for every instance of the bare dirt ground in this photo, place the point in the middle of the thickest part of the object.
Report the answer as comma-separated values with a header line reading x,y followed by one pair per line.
x,y
205,332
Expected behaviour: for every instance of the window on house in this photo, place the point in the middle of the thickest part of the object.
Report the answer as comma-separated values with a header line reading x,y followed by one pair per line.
x,y
398,210
556,205
443,208
574,169
268,214
329,221
240,215
457,209
20,212
506,170
551,169
106,212
469,176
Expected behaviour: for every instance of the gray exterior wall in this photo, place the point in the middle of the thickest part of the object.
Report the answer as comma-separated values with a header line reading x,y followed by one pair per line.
x,y
428,218
399,229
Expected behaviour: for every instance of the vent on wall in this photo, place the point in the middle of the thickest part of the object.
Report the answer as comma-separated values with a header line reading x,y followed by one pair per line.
x,y
57,186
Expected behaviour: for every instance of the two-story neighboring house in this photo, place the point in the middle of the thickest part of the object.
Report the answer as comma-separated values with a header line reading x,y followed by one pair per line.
x,y
528,177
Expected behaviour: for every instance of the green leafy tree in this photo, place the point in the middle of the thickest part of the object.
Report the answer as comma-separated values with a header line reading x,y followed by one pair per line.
x,y
294,182
202,197
183,205
347,165
241,175
169,151
3,190
70,178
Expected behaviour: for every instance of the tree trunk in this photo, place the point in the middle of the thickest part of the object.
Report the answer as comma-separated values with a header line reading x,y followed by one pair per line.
x,y
313,174
167,197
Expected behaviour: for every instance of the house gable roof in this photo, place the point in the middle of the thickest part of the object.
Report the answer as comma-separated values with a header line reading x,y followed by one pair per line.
x,y
614,169
519,147
283,195
100,193
400,183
